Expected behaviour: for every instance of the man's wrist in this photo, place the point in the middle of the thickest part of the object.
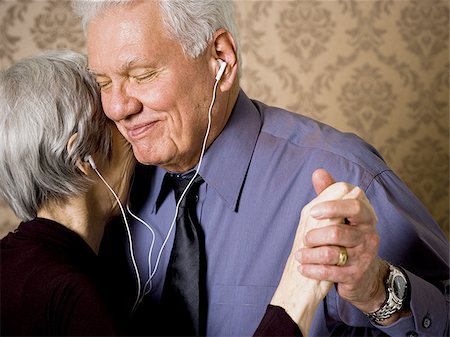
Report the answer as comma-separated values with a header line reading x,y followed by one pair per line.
x,y
396,294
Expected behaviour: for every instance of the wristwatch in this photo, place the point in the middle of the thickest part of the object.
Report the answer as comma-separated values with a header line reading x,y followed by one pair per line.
x,y
396,293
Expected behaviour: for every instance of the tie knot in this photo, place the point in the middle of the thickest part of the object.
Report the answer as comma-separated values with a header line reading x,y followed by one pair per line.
x,y
180,183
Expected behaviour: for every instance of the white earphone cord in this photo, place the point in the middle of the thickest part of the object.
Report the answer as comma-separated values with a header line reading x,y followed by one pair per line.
x,y
130,241
140,296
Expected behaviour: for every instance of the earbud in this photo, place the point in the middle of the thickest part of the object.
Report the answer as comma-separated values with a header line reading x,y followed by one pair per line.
x,y
91,161
223,65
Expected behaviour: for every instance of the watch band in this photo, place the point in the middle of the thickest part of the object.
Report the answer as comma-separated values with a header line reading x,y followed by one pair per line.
x,y
393,303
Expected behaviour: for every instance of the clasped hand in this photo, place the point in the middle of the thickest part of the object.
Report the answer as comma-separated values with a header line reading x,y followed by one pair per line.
x,y
341,216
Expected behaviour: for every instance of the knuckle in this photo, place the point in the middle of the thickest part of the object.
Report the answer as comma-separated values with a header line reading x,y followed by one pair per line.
x,y
366,261
328,254
345,187
334,233
323,273
359,192
357,206
305,211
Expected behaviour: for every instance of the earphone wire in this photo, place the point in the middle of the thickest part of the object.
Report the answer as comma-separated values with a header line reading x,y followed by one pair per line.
x,y
208,129
130,240
149,259
141,292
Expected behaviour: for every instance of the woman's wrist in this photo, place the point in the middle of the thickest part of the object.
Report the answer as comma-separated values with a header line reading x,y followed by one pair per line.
x,y
298,295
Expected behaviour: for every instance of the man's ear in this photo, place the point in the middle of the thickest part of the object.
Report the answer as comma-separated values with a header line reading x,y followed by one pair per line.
x,y
223,47
82,165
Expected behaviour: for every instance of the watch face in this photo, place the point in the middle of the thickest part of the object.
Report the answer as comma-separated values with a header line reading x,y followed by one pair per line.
x,y
399,287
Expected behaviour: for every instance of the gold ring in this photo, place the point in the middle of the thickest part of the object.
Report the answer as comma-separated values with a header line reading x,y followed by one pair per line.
x,y
343,257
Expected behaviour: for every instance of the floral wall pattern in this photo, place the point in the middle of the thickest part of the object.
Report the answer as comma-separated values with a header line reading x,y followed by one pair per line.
x,y
377,68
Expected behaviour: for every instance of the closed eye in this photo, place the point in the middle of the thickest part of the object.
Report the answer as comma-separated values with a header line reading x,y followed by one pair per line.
x,y
104,84
145,77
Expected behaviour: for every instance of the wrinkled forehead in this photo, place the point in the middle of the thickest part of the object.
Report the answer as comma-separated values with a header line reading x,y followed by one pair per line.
x,y
125,34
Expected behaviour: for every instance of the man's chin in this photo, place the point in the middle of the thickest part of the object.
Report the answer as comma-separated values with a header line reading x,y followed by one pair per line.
x,y
144,158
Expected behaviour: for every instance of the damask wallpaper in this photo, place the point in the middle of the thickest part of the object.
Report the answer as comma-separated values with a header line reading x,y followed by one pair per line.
x,y
377,68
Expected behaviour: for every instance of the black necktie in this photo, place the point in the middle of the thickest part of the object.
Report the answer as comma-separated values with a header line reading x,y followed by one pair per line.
x,y
184,288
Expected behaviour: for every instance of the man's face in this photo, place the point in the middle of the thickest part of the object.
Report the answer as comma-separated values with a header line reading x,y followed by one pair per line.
x,y
157,97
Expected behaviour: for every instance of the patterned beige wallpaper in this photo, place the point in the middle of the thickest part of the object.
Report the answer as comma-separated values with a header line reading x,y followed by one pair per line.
x,y
378,68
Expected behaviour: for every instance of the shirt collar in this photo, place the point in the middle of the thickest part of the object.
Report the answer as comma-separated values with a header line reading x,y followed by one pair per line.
x,y
227,160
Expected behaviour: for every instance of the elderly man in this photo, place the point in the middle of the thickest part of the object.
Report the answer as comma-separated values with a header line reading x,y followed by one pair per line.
x,y
159,64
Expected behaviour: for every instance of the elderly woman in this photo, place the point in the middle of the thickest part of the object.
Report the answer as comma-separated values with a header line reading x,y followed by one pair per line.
x,y
51,120
63,169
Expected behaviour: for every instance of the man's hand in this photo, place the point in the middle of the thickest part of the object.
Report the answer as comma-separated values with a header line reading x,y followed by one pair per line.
x,y
345,221
297,294
327,190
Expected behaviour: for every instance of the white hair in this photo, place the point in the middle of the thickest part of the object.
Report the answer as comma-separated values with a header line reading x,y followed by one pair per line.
x,y
44,100
190,22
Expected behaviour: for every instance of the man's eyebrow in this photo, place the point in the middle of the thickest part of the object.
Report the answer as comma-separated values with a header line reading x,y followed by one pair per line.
x,y
124,68
137,62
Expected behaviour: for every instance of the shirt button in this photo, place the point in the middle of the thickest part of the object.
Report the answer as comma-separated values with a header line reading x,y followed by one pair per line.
x,y
412,334
426,323
196,198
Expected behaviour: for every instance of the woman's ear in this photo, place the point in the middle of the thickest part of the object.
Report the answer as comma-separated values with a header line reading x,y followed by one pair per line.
x,y
223,48
82,165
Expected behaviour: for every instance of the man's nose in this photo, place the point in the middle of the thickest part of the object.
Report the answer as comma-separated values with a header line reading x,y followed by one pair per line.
x,y
122,104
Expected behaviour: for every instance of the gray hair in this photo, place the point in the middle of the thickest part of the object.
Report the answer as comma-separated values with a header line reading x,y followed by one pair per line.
x,y
190,22
44,100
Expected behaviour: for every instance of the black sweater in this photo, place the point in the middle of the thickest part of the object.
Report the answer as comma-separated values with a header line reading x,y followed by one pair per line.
x,y
52,285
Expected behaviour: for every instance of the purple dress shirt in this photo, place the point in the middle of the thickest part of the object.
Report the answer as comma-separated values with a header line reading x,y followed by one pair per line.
x,y
258,178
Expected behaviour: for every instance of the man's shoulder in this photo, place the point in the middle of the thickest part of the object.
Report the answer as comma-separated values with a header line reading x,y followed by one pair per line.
x,y
315,139
300,129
